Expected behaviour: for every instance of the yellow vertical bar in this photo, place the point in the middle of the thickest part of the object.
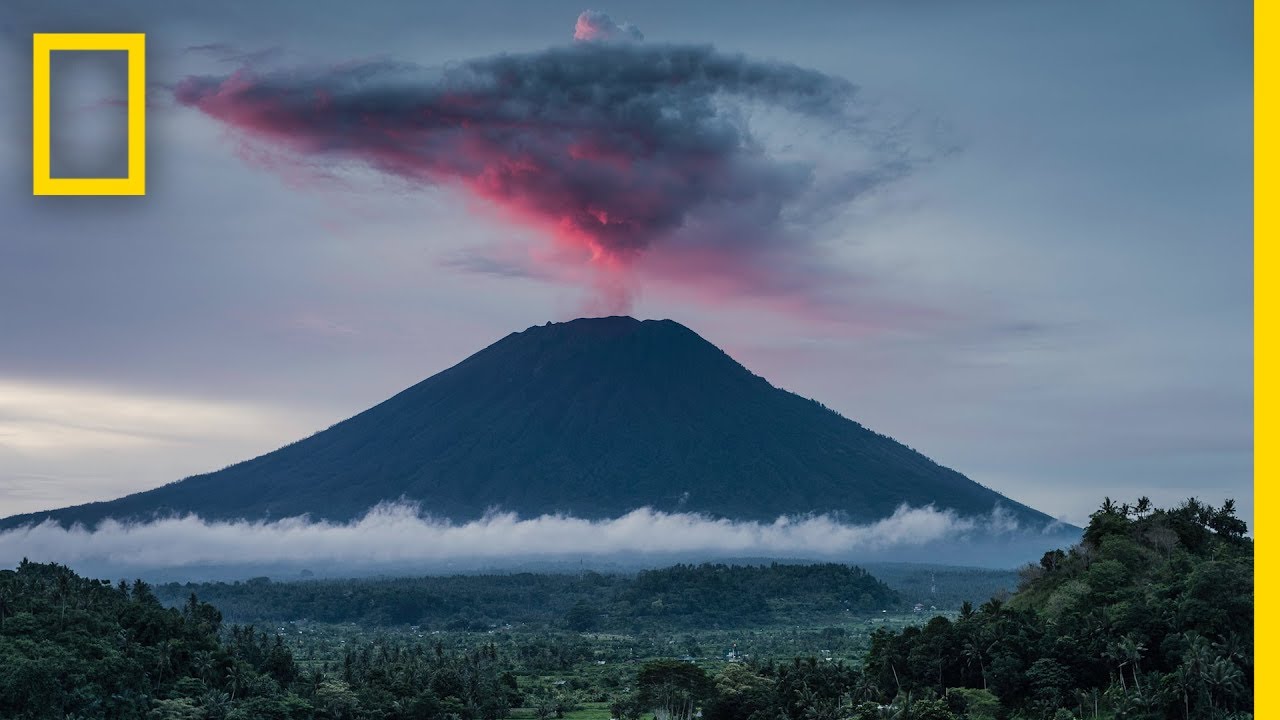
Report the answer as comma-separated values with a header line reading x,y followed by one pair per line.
x,y
39,112
1265,465
137,121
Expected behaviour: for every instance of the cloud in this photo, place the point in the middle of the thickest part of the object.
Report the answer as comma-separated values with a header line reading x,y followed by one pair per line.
x,y
232,54
68,443
398,533
55,419
717,165
594,26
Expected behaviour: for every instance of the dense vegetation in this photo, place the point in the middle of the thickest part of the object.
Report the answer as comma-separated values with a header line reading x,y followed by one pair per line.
x,y
72,647
594,418
679,597
1150,616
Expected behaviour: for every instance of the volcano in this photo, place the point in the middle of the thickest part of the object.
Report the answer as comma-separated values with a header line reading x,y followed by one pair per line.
x,y
590,418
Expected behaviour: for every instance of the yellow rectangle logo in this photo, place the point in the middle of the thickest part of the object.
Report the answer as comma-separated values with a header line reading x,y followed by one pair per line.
x,y
135,47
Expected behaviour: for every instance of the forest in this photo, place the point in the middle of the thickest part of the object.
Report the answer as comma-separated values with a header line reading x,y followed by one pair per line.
x,y
1149,616
707,596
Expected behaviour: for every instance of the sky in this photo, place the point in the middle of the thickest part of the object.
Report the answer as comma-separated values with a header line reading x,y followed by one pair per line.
x,y
1016,237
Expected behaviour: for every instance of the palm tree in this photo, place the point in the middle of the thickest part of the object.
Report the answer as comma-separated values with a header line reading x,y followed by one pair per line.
x,y
1183,681
63,592
216,704
972,653
1198,655
6,602
1144,505
1224,680
316,679
1232,647
1117,655
165,653
202,663
1132,651
816,708
1193,672
238,679
866,688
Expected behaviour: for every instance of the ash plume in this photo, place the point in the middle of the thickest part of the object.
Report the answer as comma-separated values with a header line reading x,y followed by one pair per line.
x,y
615,150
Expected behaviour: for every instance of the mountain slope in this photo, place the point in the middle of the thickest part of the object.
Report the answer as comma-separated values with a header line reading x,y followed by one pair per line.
x,y
594,418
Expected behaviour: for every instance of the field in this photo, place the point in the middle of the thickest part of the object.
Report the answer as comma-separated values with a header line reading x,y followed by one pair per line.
x,y
592,666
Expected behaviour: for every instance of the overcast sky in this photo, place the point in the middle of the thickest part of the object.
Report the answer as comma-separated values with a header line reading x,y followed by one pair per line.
x,y
1051,294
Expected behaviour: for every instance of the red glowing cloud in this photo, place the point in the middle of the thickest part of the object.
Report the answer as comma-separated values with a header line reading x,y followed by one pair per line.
x,y
614,149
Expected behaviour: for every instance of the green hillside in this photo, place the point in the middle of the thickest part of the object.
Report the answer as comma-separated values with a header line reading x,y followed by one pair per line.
x,y
1151,616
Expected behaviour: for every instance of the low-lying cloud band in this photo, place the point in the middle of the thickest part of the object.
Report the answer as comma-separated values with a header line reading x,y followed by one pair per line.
x,y
398,533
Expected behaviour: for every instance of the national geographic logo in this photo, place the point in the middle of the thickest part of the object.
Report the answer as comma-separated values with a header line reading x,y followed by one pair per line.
x,y
135,180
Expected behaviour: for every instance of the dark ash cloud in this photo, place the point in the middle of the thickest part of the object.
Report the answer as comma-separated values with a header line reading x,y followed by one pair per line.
x,y
614,149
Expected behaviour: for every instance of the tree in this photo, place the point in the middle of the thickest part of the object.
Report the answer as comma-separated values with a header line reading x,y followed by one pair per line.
x,y
239,678
931,710
6,602
1225,523
672,689
739,694
1052,559
974,654
1143,508
974,704
1132,651
216,704
335,699
545,707
281,707
582,617
1224,680
1050,685
176,709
